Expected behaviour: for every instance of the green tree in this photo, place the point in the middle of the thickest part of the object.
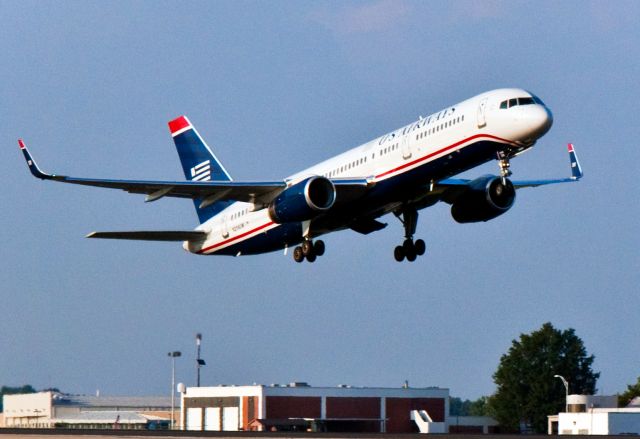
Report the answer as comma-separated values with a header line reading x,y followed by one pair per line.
x,y
526,388
632,391
459,407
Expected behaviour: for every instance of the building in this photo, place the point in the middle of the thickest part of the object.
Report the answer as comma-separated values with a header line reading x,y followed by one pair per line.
x,y
473,425
588,414
53,409
300,407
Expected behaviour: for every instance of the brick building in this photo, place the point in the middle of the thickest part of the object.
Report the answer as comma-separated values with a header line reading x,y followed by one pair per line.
x,y
300,407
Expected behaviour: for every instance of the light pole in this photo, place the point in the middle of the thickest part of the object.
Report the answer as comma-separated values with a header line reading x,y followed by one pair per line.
x,y
173,356
566,392
199,361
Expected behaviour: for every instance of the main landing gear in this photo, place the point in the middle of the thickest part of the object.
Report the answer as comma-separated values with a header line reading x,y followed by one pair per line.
x,y
308,250
409,249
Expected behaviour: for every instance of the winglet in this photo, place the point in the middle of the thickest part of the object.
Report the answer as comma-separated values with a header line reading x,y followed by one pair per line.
x,y
179,125
576,170
33,167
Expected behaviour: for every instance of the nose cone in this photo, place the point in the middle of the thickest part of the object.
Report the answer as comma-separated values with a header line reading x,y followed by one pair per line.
x,y
539,120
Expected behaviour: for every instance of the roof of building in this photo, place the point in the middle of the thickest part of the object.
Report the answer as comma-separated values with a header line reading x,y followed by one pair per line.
x,y
106,417
138,402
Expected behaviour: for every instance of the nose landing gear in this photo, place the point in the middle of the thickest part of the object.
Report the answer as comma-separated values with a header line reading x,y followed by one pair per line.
x,y
308,250
409,249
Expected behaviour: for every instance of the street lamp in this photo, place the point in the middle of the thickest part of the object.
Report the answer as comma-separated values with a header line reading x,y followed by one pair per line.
x,y
173,356
566,392
199,361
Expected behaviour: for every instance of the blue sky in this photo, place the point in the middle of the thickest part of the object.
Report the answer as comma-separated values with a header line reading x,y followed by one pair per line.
x,y
275,87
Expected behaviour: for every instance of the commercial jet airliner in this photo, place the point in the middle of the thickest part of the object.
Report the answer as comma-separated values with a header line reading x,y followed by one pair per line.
x,y
400,172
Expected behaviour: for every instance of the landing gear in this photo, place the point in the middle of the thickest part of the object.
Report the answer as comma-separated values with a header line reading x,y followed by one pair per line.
x,y
503,162
409,249
308,250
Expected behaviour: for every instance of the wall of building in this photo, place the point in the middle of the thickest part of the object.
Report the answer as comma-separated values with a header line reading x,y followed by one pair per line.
x,y
398,413
28,410
336,408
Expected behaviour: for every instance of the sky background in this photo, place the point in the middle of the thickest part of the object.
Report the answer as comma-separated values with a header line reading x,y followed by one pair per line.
x,y
275,87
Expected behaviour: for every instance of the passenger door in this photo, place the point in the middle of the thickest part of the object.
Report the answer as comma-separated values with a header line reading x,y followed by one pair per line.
x,y
406,146
482,109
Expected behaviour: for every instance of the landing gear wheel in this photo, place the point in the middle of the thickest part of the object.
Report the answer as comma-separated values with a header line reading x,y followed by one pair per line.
x,y
409,250
318,247
307,247
298,256
311,257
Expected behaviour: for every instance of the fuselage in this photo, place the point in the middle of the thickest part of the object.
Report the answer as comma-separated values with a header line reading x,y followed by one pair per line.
x,y
402,166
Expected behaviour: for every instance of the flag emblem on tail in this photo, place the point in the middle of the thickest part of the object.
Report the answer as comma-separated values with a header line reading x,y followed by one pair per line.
x,y
202,171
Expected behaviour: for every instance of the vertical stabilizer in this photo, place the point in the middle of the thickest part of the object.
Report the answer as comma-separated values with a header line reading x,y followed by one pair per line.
x,y
198,163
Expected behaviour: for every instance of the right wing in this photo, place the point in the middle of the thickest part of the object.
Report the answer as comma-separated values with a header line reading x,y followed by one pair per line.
x,y
250,192
259,193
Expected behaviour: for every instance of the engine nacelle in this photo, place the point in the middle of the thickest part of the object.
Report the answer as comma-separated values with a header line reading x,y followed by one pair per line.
x,y
486,198
303,201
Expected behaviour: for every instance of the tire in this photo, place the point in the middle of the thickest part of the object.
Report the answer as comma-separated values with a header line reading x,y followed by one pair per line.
x,y
297,254
311,257
307,247
318,247
420,247
398,253
411,256
408,246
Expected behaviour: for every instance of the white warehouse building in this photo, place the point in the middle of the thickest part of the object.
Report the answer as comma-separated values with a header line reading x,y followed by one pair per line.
x,y
600,415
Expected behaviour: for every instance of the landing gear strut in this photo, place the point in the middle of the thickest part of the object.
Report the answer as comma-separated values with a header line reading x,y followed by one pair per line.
x,y
409,249
503,162
308,250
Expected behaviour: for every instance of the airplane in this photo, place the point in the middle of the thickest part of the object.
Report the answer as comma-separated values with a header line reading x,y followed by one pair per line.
x,y
400,172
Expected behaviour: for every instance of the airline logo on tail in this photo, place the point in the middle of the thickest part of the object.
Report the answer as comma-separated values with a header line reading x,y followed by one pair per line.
x,y
202,171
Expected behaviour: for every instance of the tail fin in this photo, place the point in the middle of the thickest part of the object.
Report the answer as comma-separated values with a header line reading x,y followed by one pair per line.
x,y
198,163
576,170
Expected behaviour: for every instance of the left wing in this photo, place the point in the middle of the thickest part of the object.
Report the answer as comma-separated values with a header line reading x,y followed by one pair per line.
x,y
448,189
261,192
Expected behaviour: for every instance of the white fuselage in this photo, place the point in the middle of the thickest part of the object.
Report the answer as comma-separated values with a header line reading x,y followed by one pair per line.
x,y
391,155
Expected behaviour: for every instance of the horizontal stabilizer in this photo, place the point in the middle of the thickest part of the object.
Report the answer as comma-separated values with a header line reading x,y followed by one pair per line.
x,y
155,235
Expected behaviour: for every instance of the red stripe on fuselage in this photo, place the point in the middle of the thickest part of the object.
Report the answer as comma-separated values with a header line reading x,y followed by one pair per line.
x,y
236,237
440,151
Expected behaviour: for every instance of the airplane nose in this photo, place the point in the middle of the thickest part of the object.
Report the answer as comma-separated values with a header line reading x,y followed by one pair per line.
x,y
539,119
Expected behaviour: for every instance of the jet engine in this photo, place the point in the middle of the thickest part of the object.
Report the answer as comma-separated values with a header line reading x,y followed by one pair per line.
x,y
486,198
303,201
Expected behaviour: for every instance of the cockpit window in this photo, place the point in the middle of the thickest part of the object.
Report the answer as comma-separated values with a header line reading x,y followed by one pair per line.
x,y
525,101
520,101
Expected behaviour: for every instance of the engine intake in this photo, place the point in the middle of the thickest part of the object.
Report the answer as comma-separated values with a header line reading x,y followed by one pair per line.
x,y
303,201
486,198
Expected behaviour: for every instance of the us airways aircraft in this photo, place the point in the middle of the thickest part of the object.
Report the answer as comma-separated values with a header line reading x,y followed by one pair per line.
x,y
400,172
